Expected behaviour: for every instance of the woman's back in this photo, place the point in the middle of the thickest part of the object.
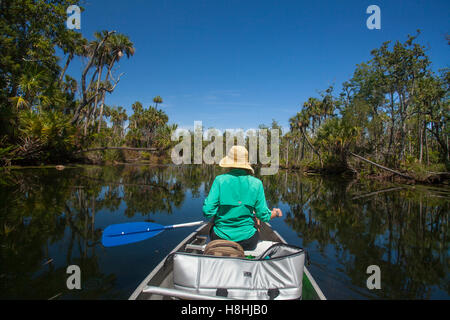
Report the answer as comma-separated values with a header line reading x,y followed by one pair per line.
x,y
234,199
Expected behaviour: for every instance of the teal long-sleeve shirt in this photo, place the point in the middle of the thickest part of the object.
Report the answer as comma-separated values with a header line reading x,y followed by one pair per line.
x,y
232,199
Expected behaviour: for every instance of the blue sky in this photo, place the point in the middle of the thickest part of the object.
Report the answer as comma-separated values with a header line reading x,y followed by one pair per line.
x,y
238,64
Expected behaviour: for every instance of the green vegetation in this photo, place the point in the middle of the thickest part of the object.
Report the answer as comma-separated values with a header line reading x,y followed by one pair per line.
x,y
47,116
393,111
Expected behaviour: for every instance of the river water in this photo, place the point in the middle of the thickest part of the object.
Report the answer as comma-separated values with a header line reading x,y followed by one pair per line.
x,y
52,219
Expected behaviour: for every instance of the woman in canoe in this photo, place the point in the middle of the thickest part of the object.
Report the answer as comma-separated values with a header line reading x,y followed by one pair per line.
x,y
235,199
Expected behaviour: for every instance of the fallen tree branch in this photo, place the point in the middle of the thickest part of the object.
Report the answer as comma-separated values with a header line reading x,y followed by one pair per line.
x,y
118,148
382,167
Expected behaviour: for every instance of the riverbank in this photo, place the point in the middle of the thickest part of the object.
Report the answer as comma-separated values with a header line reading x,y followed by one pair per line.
x,y
418,174
421,176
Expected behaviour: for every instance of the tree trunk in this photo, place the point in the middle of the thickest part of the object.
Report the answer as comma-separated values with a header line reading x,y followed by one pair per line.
x,y
426,147
402,126
409,141
287,153
421,133
84,91
118,148
63,72
312,147
94,109
391,134
381,167
86,122
447,155
303,149
104,95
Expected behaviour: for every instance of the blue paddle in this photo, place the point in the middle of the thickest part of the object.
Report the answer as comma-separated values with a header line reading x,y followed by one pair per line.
x,y
125,233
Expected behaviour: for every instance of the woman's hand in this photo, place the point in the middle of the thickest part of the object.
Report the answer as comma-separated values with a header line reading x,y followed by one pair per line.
x,y
276,213
258,224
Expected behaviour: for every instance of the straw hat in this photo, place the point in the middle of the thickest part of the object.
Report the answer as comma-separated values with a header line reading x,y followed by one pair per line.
x,y
237,158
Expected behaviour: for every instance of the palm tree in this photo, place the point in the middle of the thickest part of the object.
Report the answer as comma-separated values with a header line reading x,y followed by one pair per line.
x,y
90,51
137,110
72,45
313,108
19,102
157,100
295,123
165,134
100,60
97,51
300,122
118,117
32,81
118,45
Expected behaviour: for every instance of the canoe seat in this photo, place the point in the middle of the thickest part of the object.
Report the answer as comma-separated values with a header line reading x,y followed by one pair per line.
x,y
197,245
260,248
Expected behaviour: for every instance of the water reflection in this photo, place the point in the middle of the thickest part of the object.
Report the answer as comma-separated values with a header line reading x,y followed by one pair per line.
x,y
51,219
404,232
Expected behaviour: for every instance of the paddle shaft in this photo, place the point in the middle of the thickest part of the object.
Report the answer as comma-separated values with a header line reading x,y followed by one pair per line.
x,y
182,225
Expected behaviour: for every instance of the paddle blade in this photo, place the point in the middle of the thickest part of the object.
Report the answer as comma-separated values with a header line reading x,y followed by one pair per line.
x,y
125,233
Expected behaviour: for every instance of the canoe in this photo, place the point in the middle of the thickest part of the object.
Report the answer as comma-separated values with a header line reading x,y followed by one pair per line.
x,y
158,285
